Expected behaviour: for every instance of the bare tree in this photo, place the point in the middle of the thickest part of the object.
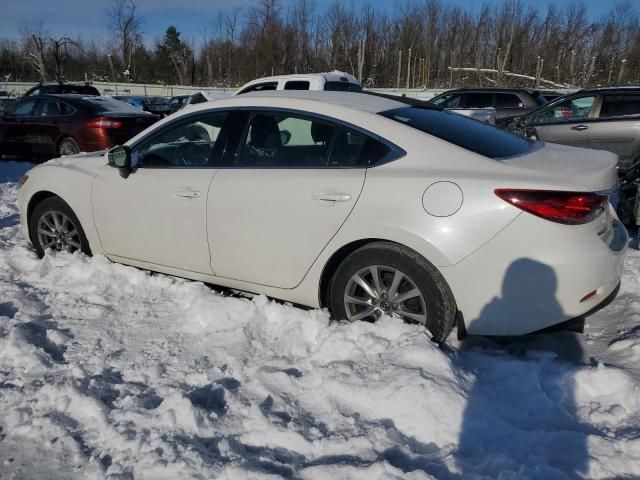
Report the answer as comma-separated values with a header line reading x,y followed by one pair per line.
x,y
125,26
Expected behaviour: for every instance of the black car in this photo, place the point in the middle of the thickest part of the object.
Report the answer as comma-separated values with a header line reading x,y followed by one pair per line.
x,y
507,102
62,88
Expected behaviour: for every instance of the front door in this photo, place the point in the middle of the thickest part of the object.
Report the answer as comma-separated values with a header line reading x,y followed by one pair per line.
x,y
158,213
567,122
281,195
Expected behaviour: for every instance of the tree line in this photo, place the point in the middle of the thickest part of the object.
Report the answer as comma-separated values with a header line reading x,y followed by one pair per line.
x,y
418,44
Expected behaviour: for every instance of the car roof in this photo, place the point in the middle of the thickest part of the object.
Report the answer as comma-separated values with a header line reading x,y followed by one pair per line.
x,y
531,91
361,101
622,88
334,76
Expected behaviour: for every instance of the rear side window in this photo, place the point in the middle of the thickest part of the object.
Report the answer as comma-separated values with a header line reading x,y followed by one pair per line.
x,y
620,106
342,87
287,140
297,85
260,87
48,108
462,131
478,100
508,100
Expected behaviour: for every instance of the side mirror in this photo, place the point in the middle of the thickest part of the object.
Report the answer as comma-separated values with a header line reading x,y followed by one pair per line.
x,y
120,158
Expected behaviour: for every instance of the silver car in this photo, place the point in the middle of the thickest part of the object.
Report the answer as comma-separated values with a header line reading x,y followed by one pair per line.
x,y
603,119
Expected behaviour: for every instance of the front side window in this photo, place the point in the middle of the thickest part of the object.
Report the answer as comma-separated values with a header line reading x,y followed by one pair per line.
x,y
620,106
23,109
575,109
286,140
187,143
449,100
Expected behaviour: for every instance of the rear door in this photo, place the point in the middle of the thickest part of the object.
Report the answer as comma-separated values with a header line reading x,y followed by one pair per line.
x,y
52,118
282,194
566,122
617,126
508,105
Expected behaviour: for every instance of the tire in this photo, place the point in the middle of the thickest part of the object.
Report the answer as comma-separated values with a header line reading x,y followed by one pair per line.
x,y
434,307
56,218
68,146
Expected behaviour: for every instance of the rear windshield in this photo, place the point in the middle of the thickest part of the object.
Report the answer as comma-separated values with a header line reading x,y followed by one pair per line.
x,y
109,105
464,132
342,87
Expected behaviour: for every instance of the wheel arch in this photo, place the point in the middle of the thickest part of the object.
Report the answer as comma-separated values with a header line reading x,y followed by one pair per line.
x,y
37,198
343,252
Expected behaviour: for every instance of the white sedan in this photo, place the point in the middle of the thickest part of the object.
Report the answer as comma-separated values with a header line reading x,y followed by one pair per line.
x,y
365,205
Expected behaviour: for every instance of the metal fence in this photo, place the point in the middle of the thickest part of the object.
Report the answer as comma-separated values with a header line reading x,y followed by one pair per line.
x,y
17,89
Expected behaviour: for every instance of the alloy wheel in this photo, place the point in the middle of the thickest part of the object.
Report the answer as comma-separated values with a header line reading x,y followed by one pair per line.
x,y
68,148
378,290
57,231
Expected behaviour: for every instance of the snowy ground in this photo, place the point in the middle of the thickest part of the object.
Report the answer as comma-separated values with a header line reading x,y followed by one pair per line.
x,y
111,372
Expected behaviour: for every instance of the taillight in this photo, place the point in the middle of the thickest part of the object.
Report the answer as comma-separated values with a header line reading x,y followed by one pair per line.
x,y
102,122
569,208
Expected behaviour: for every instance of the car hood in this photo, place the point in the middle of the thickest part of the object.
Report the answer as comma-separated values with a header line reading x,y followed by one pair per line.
x,y
68,160
595,170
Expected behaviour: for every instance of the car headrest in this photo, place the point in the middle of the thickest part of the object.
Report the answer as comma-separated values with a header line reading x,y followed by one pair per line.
x,y
321,133
265,132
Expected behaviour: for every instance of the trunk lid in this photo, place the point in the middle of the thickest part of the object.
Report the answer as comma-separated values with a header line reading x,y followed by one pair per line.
x,y
596,170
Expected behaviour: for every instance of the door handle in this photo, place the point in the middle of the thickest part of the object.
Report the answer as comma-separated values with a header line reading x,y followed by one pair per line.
x,y
331,197
186,193
580,127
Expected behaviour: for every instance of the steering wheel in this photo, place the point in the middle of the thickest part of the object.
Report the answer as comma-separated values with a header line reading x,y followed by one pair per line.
x,y
191,155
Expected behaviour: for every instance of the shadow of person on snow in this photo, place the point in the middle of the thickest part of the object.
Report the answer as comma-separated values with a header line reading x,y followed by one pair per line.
x,y
521,418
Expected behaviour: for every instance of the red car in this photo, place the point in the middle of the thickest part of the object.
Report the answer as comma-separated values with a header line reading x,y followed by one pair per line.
x,y
46,126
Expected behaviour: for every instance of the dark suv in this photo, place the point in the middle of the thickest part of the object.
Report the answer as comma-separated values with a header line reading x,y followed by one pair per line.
x,y
508,102
61,88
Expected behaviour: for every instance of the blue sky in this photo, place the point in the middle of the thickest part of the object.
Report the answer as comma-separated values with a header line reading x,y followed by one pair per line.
x,y
86,18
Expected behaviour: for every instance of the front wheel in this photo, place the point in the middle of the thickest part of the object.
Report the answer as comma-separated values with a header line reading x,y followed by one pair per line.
x,y
384,278
53,225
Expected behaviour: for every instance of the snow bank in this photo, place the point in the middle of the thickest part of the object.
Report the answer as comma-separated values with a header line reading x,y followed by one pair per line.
x,y
108,371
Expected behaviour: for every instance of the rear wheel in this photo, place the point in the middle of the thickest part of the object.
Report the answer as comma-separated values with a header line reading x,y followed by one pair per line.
x,y
384,278
53,225
68,146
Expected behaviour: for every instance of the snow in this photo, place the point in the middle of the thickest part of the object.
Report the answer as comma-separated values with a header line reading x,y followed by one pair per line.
x,y
107,371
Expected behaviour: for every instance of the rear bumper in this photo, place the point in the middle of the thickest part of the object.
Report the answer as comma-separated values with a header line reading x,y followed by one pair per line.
x,y
572,323
536,274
